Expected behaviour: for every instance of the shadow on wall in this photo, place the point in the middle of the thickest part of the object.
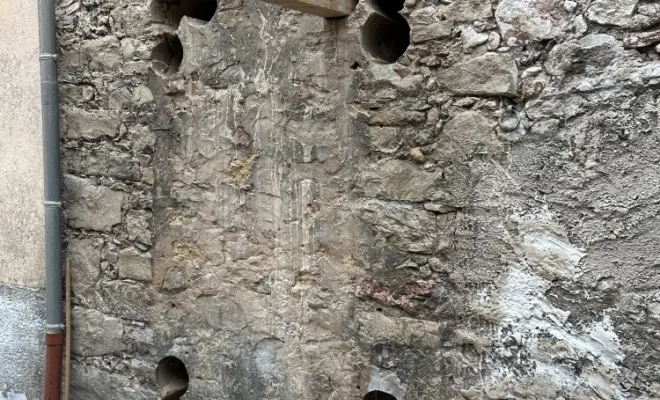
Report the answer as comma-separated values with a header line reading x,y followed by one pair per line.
x,y
378,395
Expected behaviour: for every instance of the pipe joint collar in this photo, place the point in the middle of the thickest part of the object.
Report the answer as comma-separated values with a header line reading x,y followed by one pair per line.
x,y
54,328
47,57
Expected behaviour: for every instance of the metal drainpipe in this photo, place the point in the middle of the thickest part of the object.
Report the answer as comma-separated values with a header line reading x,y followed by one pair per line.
x,y
53,217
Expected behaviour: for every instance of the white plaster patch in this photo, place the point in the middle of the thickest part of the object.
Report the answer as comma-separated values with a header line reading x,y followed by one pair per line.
x,y
554,254
21,344
542,330
525,308
546,248
522,300
523,21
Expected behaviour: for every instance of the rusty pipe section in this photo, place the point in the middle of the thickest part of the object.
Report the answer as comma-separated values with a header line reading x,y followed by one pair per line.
x,y
53,215
53,376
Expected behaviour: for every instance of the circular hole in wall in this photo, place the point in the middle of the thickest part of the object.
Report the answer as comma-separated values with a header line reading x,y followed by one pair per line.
x,y
386,38
167,56
172,378
385,7
378,395
171,11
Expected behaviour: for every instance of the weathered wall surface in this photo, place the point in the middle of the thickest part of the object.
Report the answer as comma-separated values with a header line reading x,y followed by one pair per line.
x,y
295,221
21,343
21,245
21,201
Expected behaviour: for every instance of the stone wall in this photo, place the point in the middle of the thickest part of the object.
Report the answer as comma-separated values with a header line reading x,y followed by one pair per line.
x,y
263,195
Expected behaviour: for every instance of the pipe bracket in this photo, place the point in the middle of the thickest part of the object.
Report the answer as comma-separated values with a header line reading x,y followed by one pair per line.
x,y
47,57
53,204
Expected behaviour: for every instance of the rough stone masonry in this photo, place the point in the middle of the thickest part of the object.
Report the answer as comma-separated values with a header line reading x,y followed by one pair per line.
x,y
250,191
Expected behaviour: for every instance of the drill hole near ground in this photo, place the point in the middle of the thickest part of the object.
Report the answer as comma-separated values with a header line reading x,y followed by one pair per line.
x,y
378,395
172,378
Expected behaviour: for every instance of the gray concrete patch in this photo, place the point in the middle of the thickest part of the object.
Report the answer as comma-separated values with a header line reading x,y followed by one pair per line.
x,y
21,343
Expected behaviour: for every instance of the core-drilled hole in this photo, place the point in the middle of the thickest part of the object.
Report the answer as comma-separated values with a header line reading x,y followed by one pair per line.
x,y
171,11
172,378
386,7
167,56
386,38
378,395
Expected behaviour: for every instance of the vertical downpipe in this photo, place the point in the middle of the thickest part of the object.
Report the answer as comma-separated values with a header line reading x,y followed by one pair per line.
x,y
53,216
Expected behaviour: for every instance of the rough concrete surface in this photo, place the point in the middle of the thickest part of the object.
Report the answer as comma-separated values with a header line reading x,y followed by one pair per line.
x,y
21,343
256,196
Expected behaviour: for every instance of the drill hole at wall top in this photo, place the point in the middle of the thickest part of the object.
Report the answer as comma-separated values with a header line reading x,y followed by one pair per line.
x,y
385,38
172,377
378,395
386,7
167,56
171,12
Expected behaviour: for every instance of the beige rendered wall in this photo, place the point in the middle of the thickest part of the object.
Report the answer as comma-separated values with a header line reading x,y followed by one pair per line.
x,y
21,210
21,176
